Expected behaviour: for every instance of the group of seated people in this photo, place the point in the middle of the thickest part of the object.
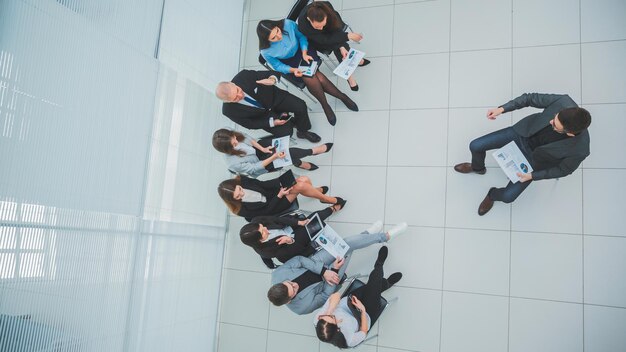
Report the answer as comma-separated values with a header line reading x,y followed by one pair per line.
x,y
555,142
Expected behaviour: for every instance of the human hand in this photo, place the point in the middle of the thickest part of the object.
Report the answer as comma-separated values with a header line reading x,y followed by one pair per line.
x,y
355,37
279,155
303,222
493,113
357,303
524,177
283,191
267,81
306,57
331,277
267,150
344,52
338,263
278,122
297,73
285,240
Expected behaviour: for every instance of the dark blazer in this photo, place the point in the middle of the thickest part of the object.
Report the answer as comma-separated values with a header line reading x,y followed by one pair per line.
x,y
269,189
301,246
326,39
556,159
268,96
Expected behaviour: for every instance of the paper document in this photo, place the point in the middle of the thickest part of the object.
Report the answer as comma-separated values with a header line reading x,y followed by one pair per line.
x,y
346,67
308,69
281,145
332,242
512,160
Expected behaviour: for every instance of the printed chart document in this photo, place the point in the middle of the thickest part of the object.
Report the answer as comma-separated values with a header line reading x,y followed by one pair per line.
x,y
346,67
332,242
281,145
511,161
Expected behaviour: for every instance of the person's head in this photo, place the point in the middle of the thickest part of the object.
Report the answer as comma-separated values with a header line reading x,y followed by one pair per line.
x,y
328,331
225,141
253,234
229,92
282,293
269,31
321,16
231,193
571,121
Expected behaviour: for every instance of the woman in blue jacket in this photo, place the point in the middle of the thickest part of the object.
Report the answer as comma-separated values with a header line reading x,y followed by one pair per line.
x,y
284,47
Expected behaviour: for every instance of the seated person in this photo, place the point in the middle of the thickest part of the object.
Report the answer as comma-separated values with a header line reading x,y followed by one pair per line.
x,y
243,154
284,47
280,237
304,284
336,323
324,29
248,197
253,101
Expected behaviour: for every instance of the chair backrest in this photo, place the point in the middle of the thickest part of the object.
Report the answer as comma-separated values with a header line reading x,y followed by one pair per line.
x,y
296,9
355,284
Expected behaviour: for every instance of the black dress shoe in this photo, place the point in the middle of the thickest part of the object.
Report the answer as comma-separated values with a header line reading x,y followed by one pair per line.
x,y
329,146
350,104
486,204
311,168
394,278
466,168
330,116
324,189
365,62
309,136
382,256
355,88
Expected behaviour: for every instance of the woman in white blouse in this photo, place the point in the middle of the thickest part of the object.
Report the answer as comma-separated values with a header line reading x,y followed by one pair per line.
x,y
345,322
245,155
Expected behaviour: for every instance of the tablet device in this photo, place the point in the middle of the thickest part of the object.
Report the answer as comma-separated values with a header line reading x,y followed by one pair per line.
x,y
287,179
308,69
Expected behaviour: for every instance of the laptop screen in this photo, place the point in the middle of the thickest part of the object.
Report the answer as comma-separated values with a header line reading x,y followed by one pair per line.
x,y
314,226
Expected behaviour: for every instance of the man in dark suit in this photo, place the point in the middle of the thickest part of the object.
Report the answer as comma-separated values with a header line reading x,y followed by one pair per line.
x,y
253,101
555,142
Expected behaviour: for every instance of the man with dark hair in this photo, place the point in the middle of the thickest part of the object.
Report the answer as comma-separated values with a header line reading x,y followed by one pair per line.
x,y
253,101
555,142
304,284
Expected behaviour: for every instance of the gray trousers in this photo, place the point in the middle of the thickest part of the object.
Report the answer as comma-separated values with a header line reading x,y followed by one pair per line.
x,y
362,240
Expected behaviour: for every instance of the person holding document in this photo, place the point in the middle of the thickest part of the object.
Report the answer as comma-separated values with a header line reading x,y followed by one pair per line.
x,y
555,142
285,48
245,155
304,284
326,31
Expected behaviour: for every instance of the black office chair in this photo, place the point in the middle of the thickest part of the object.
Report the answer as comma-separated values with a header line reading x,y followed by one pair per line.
x,y
384,303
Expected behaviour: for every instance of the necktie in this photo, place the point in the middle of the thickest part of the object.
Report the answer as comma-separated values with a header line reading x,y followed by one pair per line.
x,y
253,102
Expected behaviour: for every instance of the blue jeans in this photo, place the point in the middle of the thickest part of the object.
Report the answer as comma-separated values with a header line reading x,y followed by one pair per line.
x,y
494,140
362,240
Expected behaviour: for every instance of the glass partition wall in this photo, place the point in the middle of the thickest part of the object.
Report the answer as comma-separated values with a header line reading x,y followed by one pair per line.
x,y
111,232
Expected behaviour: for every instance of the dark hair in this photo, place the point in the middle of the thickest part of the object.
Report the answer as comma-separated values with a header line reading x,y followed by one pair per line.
x,y
329,332
318,11
226,189
278,294
221,141
575,120
263,30
250,234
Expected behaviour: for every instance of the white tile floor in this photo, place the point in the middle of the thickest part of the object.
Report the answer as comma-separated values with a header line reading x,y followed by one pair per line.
x,y
547,273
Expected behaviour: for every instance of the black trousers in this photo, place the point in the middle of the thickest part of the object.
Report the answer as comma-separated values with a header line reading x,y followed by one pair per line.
x,y
369,294
289,103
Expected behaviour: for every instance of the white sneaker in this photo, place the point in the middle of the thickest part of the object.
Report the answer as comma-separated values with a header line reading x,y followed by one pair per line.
x,y
376,227
397,230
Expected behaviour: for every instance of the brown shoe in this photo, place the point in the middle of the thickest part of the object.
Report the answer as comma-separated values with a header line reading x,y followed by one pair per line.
x,y
486,204
466,168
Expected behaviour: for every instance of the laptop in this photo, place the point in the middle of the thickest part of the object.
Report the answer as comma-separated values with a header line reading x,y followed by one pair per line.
x,y
324,237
